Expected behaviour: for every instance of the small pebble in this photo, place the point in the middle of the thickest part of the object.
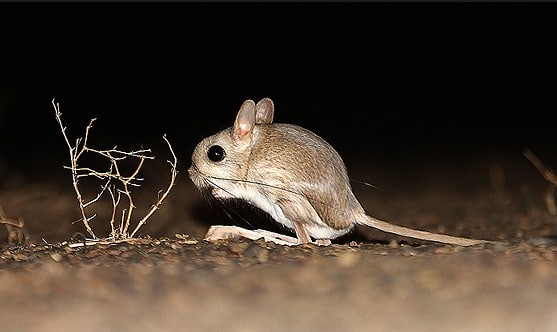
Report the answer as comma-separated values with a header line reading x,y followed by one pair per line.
x,y
263,256
56,256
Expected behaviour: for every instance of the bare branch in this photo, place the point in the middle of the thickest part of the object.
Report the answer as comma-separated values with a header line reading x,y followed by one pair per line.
x,y
123,154
9,221
58,115
550,176
173,174
103,189
114,182
544,171
74,155
115,202
15,229
549,198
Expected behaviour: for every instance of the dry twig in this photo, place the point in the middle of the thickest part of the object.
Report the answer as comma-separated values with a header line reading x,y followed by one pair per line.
x,y
547,174
15,228
117,184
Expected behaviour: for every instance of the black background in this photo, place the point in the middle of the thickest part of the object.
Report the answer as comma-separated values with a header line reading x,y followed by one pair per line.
x,y
399,80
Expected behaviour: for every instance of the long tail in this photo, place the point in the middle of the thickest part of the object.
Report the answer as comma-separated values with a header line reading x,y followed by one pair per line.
x,y
417,234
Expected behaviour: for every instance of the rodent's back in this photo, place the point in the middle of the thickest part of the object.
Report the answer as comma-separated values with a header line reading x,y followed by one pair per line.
x,y
297,151
291,156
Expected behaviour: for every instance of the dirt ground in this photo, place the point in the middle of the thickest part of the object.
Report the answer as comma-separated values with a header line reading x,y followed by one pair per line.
x,y
170,279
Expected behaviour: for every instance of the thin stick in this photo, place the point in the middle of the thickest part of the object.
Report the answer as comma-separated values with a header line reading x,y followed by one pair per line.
x,y
74,156
544,171
115,202
9,221
547,174
173,174
126,183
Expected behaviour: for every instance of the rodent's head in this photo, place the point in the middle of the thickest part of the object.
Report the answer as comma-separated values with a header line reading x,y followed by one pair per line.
x,y
225,154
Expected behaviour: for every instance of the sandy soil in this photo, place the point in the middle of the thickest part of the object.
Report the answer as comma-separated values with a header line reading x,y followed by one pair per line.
x,y
170,279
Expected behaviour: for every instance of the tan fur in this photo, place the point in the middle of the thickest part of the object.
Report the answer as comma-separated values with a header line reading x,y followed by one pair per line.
x,y
290,173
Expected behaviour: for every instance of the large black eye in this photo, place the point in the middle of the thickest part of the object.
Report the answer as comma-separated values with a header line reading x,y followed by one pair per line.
x,y
216,153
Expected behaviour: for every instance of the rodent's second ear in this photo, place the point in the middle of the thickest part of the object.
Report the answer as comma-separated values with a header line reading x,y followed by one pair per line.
x,y
264,111
245,120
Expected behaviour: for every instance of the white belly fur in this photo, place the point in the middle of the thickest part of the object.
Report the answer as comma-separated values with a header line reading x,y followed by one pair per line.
x,y
317,229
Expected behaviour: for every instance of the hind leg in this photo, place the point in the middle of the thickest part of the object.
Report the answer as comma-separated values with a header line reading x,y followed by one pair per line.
x,y
302,233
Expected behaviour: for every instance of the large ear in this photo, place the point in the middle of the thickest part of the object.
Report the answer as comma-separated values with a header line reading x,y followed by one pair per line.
x,y
264,111
245,121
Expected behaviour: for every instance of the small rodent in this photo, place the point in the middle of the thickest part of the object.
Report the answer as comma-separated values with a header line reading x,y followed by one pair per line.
x,y
292,174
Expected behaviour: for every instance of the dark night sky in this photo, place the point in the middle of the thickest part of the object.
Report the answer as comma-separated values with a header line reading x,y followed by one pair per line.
x,y
370,78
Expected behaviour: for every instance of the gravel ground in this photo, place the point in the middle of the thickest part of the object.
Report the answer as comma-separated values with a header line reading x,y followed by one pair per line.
x,y
369,281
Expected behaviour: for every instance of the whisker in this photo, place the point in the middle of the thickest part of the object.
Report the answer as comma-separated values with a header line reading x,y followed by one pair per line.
x,y
221,188
226,207
206,179
259,183
366,184
269,186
